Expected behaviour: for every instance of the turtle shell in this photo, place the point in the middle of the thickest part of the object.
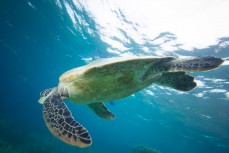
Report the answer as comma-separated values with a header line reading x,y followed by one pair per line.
x,y
108,79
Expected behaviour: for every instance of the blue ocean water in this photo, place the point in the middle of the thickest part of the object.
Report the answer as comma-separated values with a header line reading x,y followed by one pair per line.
x,y
39,40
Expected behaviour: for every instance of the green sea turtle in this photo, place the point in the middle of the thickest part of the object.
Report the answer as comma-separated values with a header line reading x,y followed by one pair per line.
x,y
111,79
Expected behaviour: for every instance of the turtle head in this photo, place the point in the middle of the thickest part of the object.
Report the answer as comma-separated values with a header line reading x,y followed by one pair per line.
x,y
45,94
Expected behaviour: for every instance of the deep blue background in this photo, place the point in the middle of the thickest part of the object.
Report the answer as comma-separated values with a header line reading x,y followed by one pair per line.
x,y
37,46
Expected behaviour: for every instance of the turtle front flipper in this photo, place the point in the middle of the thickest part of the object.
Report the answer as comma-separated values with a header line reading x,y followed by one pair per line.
x,y
61,123
101,110
177,80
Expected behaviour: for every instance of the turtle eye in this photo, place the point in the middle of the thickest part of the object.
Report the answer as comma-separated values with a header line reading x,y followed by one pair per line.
x,y
41,93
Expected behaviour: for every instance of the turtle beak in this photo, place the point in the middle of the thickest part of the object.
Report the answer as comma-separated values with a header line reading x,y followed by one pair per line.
x,y
41,100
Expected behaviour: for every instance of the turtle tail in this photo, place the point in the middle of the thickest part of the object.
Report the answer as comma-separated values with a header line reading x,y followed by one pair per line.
x,y
195,64
61,123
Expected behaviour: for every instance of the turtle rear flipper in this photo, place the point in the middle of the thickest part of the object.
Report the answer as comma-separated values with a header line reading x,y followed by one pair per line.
x,y
195,64
177,80
61,123
101,110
